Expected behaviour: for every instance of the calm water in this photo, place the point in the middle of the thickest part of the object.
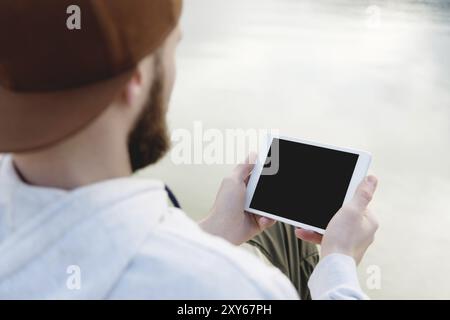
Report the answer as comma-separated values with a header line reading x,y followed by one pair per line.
x,y
367,74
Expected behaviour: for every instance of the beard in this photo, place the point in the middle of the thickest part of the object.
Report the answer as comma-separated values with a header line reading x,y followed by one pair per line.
x,y
149,140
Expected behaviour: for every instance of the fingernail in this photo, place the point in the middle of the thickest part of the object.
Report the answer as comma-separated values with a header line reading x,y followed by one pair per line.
x,y
371,180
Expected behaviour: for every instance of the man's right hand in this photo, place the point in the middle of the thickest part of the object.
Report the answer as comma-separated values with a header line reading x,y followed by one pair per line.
x,y
352,229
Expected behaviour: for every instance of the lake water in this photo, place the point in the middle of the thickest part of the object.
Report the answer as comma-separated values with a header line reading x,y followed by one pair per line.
x,y
373,75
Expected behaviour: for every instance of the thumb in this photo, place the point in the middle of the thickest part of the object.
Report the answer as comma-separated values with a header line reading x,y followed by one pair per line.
x,y
243,170
364,192
265,222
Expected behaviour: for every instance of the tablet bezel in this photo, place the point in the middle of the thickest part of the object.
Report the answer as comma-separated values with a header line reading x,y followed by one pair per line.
x,y
359,173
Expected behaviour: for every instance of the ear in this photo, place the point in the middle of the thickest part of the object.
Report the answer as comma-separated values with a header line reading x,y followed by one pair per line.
x,y
133,89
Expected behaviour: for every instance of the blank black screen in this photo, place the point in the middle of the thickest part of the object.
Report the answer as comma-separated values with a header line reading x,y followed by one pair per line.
x,y
310,185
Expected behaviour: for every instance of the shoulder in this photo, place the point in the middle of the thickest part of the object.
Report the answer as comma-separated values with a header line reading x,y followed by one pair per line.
x,y
180,261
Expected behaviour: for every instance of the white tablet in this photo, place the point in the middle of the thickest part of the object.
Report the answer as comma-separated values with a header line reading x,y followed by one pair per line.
x,y
304,183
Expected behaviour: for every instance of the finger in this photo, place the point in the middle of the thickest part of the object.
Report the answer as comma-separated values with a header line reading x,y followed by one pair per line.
x,y
364,192
246,180
265,222
308,235
243,170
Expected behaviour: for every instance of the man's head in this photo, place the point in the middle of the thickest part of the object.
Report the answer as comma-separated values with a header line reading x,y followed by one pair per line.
x,y
146,98
113,76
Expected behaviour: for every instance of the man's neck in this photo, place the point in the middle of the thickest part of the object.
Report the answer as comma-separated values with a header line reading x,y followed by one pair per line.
x,y
68,172
79,161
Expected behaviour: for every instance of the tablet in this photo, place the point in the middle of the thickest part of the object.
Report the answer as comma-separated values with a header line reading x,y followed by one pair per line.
x,y
304,183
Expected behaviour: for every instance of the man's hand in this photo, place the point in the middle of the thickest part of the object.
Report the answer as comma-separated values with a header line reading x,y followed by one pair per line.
x,y
227,218
352,229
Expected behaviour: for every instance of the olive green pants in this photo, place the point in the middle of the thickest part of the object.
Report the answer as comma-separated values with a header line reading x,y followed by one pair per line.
x,y
294,257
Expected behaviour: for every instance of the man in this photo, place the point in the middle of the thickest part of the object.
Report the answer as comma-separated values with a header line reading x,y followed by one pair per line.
x,y
81,109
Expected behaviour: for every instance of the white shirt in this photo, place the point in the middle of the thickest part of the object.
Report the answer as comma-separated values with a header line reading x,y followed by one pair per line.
x,y
119,239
